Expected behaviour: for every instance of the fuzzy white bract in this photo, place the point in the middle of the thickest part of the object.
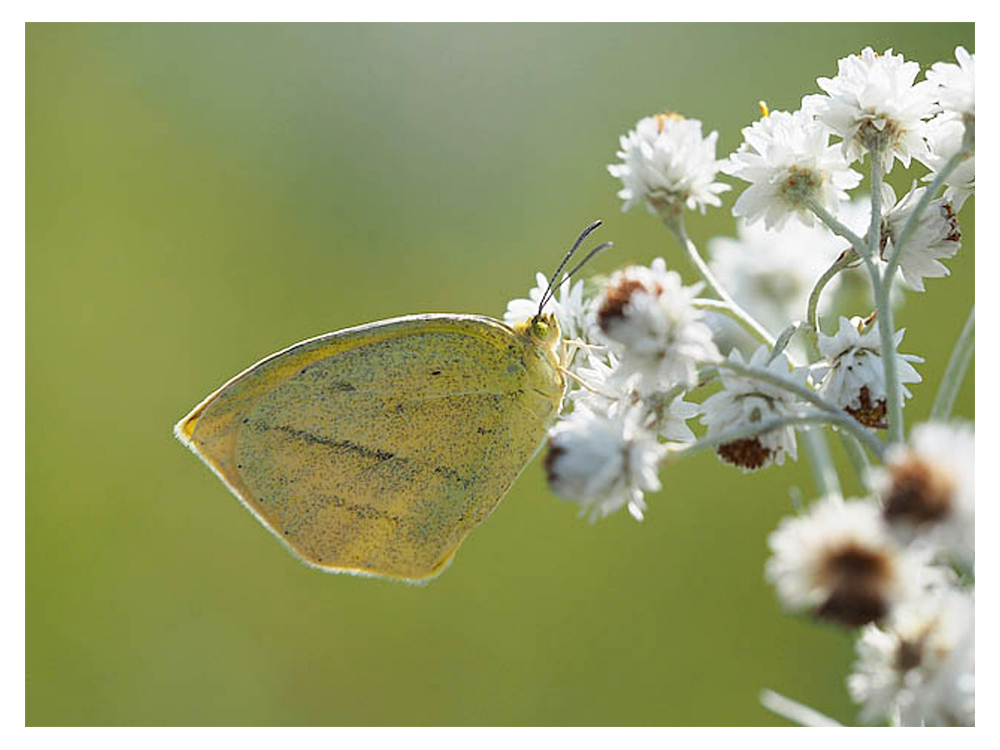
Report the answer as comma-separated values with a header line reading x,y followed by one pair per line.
x,y
873,104
956,84
668,165
603,463
646,315
919,669
745,402
788,161
567,305
928,488
854,374
839,563
936,236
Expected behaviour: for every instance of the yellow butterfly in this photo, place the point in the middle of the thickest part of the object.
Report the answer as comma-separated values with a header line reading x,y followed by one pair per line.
x,y
375,450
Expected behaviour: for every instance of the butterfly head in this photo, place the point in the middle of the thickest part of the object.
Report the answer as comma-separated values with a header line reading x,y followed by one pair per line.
x,y
544,330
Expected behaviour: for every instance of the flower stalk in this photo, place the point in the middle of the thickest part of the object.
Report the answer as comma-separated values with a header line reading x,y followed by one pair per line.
x,y
954,374
840,420
881,288
812,310
730,305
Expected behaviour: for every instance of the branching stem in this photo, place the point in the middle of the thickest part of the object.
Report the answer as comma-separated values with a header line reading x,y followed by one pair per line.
x,y
841,420
812,310
731,307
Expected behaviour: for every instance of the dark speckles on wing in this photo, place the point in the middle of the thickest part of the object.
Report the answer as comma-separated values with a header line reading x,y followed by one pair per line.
x,y
384,456
336,444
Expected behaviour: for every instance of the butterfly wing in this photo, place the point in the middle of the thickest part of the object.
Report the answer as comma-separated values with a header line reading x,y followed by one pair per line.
x,y
377,449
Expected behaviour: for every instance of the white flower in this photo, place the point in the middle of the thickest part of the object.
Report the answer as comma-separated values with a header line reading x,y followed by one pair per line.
x,y
854,377
920,668
567,305
944,135
873,103
603,463
936,236
745,402
839,563
928,488
609,392
956,84
668,165
648,317
771,274
788,162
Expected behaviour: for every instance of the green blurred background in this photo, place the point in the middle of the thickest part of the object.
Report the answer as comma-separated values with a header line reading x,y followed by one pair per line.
x,y
199,196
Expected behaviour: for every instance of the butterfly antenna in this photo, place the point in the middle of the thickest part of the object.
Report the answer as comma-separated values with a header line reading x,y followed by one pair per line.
x,y
569,274
550,290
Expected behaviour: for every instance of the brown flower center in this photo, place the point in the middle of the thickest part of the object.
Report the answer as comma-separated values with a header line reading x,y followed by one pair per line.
x,y
551,458
909,655
747,453
612,309
869,414
921,492
856,578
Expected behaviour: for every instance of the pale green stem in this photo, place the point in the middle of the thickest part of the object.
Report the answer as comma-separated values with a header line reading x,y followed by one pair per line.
x,y
823,471
733,309
818,450
794,711
750,430
812,310
858,459
886,327
672,393
839,228
815,446
837,416
893,392
875,224
859,245
710,304
954,373
726,309
767,376
706,375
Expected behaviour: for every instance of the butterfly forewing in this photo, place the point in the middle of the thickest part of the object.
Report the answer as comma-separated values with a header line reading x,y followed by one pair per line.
x,y
377,449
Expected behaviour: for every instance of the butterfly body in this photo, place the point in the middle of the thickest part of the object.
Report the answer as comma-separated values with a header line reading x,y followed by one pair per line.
x,y
375,450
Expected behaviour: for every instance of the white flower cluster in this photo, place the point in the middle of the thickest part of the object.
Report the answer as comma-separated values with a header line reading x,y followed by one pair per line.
x,y
953,130
873,104
886,563
928,489
644,340
918,667
791,166
898,564
668,165
853,376
745,401
646,316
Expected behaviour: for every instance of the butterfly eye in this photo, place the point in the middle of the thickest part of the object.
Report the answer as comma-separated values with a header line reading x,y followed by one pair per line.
x,y
541,329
